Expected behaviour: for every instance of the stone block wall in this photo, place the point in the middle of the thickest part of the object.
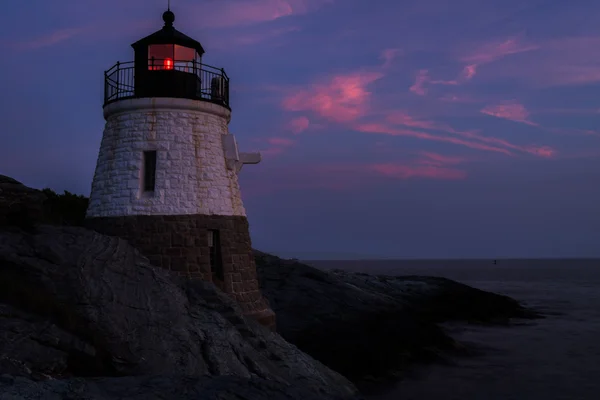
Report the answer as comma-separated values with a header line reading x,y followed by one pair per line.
x,y
191,172
180,243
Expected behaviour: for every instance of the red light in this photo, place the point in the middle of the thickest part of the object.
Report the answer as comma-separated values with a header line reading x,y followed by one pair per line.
x,y
168,63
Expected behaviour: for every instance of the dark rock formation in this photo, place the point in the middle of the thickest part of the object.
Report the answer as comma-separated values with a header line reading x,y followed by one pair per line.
x,y
154,388
367,325
86,316
19,205
76,303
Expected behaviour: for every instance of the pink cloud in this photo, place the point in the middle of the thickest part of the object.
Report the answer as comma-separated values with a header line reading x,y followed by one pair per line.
x,y
419,86
438,159
512,111
475,140
484,54
389,55
493,51
342,98
280,141
417,171
247,12
401,118
556,62
423,78
387,130
299,125
346,99
352,176
225,42
453,98
277,145
469,71
459,99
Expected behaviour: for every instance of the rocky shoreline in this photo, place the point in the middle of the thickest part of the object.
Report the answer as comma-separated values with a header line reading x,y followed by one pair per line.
x,y
85,316
372,327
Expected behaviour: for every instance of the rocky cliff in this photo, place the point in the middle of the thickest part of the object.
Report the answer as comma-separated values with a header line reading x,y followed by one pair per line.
x,y
85,316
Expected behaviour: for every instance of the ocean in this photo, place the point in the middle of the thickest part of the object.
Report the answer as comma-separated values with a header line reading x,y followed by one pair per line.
x,y
554,358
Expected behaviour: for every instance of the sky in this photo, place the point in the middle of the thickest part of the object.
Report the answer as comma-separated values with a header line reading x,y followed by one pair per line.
x,y
389,129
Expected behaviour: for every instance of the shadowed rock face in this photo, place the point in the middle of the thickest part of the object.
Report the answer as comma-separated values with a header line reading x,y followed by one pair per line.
x,y
77,303
153,388
367,325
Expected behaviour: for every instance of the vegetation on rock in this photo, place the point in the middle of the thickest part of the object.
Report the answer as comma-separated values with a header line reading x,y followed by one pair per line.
x,y
66,208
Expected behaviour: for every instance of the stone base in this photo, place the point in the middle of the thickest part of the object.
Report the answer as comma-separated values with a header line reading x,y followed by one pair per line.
x,y
180,243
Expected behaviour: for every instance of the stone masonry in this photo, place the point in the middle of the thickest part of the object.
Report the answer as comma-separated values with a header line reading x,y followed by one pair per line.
x,y
191,173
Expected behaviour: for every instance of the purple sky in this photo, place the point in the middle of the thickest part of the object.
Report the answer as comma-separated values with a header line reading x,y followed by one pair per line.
x,y
415,128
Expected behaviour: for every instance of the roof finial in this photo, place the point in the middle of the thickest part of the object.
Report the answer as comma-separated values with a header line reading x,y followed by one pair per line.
x,y
168,16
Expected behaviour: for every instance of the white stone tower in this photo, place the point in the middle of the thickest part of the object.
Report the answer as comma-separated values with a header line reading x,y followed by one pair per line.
x,y
166,178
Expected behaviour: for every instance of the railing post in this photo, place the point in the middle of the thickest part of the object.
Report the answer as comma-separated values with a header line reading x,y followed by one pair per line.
x,y
224,87
118,89
105,87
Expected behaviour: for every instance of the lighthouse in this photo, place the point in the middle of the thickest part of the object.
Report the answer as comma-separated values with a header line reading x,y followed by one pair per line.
x,y
166,178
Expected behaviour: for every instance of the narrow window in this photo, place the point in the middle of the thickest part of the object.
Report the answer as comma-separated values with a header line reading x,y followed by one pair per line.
x,y
214,247
149,170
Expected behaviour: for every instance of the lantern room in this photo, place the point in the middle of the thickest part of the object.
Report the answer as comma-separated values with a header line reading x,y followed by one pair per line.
x,y
167,63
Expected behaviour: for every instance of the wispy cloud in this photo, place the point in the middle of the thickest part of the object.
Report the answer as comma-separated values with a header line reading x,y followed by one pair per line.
x,y
428,165
229,13
495,50
423,80
419,86
389,55
50,39
510,110
277,145
299,125
237,38
399,171
403,119
483,54
554,62
385,129
459,99
440,160
351,176
347,100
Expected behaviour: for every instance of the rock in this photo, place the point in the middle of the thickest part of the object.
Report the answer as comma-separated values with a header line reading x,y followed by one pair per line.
x,y
74,303
155,388
19,205
85,316
439,299
366,326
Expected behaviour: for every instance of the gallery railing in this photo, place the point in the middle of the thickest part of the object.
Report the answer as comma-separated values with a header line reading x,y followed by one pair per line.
x,y
206,82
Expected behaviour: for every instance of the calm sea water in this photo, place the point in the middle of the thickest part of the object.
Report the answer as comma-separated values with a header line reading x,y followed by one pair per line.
x,y
550,359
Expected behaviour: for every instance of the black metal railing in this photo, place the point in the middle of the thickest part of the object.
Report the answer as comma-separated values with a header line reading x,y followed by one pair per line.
x,y
166,78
